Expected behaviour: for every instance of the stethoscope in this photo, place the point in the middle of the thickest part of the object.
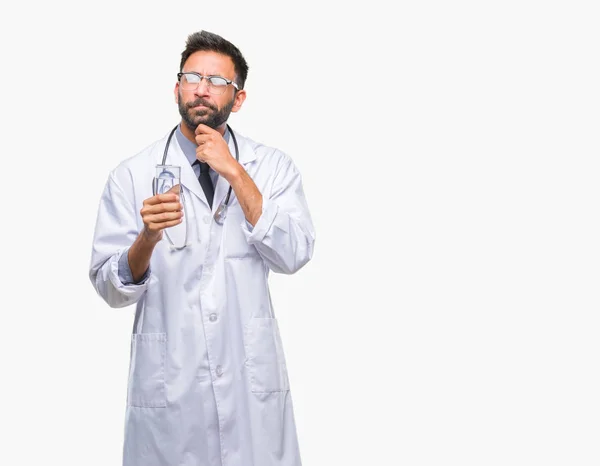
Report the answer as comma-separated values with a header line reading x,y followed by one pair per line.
x,y
166,177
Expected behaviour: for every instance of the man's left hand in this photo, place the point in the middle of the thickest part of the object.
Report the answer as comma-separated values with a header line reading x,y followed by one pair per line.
x,y
213,150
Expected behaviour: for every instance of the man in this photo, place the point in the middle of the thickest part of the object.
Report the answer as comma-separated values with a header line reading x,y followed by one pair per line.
x,y
208,384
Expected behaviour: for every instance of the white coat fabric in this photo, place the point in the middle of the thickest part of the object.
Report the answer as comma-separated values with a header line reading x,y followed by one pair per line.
x,y
208,384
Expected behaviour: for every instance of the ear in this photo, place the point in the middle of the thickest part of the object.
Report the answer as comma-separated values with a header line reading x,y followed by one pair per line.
x,y
176,92
240,97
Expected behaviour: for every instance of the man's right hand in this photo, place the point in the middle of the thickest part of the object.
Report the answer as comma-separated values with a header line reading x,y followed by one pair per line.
x,y
160,212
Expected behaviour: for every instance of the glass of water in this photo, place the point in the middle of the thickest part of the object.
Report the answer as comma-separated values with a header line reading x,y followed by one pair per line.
x,y
167,179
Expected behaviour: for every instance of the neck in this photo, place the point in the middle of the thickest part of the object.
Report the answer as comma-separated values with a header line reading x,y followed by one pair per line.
x,y
190,134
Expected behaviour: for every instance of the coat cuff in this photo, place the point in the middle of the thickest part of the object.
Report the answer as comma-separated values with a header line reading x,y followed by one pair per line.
x,y
125,275
121,276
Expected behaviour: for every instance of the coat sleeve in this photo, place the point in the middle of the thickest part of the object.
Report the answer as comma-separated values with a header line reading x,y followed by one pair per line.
x,y
284,235
115,231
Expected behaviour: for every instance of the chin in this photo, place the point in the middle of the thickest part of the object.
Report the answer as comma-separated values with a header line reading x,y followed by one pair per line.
x,y
204,122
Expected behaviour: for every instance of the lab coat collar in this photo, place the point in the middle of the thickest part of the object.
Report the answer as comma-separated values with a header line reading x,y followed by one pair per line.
x,y
247,153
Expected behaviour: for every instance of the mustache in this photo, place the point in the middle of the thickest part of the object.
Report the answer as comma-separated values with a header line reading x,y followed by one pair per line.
x,y
201,102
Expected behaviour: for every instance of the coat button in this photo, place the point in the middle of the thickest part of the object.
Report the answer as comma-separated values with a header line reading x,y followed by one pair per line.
x,y
219,371
207,219
213,317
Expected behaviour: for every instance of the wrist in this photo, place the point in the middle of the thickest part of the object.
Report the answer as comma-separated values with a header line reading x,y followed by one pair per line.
x,y
150,238
235,173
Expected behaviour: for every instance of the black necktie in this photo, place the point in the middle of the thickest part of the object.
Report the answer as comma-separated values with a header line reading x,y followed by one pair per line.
x,y
206,182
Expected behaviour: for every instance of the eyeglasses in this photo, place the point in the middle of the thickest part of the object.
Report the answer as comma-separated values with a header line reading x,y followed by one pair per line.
x,y
216,84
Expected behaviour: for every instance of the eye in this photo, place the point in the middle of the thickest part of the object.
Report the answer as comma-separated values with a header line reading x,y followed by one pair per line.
x,y
217,81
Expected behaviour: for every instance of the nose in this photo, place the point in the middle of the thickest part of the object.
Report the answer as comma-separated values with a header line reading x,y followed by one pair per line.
x,y
202,89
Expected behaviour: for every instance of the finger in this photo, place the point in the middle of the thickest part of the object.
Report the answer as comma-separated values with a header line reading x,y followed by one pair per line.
x,y
202,138
160,208
175,189
160,198
201,154
205,129
165,217
173,223
161,226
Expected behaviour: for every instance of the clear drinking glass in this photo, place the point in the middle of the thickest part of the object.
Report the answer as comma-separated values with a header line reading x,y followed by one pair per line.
x,y
167,179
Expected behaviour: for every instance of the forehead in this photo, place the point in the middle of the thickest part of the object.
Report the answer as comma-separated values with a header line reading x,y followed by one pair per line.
x,y
210,63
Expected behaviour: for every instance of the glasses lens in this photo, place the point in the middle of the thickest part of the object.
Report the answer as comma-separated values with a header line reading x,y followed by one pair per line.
x,y
189,81
217,84
217,81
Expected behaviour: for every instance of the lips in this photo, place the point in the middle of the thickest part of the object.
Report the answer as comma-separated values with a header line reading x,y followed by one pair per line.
x,y
200,105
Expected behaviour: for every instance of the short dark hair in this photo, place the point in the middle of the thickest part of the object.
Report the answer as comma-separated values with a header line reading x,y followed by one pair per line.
x,y
207,41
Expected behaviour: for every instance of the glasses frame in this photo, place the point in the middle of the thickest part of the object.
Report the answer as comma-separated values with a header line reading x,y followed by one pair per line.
x,y
210,85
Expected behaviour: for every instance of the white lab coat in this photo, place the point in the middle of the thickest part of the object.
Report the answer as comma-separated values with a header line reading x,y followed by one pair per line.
x,y
208,384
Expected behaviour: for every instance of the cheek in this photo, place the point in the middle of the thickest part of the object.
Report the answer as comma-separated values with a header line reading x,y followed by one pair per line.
x,y
184,99
185,96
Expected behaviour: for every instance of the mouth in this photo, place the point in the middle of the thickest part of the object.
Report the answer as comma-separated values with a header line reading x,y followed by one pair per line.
x,y
200,106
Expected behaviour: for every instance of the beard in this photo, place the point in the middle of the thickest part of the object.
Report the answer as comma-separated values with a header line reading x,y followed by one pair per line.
x,y
211,116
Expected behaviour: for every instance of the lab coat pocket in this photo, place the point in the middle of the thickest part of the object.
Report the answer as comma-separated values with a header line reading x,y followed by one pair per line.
x,y
147,370
265,360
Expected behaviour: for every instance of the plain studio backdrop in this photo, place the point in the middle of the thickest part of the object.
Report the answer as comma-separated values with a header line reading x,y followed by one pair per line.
x,y
449,153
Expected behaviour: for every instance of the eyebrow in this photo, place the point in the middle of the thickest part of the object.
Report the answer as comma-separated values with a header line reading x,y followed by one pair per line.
x,y
210,74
